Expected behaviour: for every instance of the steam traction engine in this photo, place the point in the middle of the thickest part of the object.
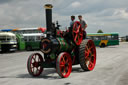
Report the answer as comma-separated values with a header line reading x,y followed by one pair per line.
x,y
62,50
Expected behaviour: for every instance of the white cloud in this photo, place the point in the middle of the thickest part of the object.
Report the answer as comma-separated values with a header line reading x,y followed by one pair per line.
x,y
75,4
122,12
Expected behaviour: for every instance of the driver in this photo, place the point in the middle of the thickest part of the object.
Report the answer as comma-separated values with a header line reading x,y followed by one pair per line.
x,y
72,20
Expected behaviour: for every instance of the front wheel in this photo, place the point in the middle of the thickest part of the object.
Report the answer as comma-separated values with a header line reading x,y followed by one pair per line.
x,y
64,64
34,64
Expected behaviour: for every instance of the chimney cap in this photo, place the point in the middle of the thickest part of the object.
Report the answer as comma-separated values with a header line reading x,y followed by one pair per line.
x,y
48,6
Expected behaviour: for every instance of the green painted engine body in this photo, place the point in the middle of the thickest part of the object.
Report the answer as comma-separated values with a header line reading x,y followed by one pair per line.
x,y
55,46
65,45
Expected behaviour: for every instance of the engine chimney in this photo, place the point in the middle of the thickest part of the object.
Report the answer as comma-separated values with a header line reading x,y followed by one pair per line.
x,y
48,9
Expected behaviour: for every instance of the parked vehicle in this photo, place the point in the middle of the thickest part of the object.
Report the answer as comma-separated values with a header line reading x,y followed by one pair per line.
x,y
20,42
8,41
32,41
104,39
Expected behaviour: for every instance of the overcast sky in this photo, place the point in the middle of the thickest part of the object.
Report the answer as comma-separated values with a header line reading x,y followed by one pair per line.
x,y
107,15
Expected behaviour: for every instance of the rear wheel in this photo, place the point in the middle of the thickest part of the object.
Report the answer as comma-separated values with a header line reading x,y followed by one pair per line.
x,y
64,64
102,45
34,64
29,48
87,55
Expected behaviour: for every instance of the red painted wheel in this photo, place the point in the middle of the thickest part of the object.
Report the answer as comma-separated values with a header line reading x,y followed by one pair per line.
x,y
77,33
34,64
87,55
64,64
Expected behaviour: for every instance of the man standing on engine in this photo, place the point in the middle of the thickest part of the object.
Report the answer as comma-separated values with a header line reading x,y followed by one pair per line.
x,y
72,20
83,25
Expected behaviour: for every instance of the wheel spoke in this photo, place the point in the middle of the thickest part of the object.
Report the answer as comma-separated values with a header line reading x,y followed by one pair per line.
x,y
78,29
91,64
81,34
64,72
74,31
62,64
33,58
74,25
63,60
92,55
76,37
86,55
87,48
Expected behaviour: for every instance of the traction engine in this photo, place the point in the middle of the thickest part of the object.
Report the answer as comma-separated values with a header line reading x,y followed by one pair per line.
x,y
61,50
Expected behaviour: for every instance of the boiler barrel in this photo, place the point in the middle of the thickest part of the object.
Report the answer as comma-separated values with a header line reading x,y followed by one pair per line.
x,y
50,45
